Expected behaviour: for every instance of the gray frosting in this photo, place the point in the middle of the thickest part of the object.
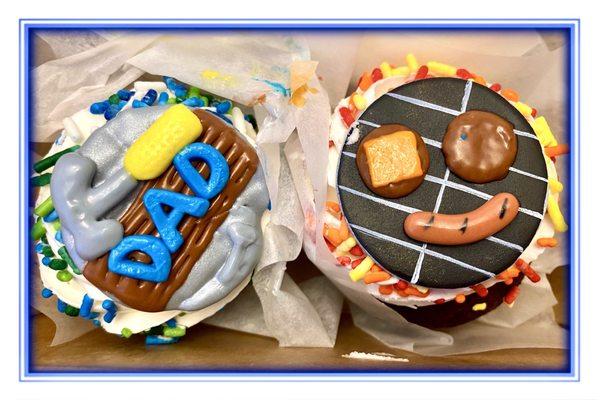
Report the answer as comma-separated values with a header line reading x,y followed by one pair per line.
x,y
229,258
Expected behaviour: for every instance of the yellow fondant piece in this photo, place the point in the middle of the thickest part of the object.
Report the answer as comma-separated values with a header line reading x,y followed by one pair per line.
x,y
543,132
555,185
555,215
392,158
401,71
386,69
412,62
523,108
441,69
152,153
346,245
361,269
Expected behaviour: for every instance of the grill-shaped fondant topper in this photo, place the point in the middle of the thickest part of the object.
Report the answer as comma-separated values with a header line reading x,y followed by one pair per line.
x,y
487,221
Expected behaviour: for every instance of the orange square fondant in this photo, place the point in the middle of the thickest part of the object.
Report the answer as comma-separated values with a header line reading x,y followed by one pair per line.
x,y
393,158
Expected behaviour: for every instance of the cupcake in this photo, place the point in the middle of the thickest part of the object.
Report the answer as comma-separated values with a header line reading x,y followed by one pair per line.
x,y
149,209
442,191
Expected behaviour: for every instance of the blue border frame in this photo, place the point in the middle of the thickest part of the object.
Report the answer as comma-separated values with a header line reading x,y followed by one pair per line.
x,y
27,26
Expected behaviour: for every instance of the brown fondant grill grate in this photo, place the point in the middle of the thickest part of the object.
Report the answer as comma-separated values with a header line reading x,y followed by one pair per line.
x,y
197,232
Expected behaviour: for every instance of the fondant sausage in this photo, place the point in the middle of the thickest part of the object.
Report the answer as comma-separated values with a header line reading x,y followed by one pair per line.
x,y
457,229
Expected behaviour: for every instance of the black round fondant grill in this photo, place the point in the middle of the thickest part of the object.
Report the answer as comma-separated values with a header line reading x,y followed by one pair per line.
x,y
427,106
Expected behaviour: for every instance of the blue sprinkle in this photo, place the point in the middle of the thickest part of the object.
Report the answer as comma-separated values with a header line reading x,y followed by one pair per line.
x,y
53,216
46,260
172,84
61,306
269,206
39,247
99,107
124,94
112,111
109,316
96,322
163,97
171,323
109,305
58,237
122,104
223,107
155,339
194,102
138,104
46,293
463,136
181,92
86,306
93,315
214,103
150,97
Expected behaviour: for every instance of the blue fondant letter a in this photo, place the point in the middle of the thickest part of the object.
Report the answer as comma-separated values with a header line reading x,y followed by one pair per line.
x,y
219,170
157,271
180,204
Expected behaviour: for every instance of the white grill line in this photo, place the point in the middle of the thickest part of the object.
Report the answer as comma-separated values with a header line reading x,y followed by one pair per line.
x,y
424,104
477,193
368,123
465,99
410,210
438,144
432,142
418,248
387,203
525,134
436,208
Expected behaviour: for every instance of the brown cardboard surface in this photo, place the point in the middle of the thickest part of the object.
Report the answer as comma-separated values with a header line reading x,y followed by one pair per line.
x,y
209,348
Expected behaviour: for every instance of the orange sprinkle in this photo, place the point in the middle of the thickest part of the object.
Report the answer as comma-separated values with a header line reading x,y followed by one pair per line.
x,y
512,294
332,235
460,298
365,81
413,291
376,268
510,94
357,251
401,285
480,290
373,277
333,207
547,242
356,262
386,289
479,79
559,150
439,301
526,269
344,231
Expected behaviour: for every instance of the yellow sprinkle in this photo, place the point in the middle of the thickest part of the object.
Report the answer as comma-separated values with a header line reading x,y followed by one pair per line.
x,y
441,69
555,185
523,108
151,154
361,269
386,70
412,63
210,74
480,307
346,245
401,71
543,132
359,101
421,288
555,215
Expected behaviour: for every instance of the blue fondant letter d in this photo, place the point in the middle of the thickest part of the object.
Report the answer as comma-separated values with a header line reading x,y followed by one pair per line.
x,y
157,271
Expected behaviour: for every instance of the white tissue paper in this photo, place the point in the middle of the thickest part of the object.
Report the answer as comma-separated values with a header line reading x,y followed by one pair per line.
x,y
532,63
252,70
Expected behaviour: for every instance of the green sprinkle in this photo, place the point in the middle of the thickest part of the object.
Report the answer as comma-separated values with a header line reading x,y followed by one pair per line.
x,y
48,162
58,265
64,276
44,239
38,230
177,331
205,100
193,91
126,333
41,180
179,99
114,99
56,224
45,208
47,251
171,100
155,330
62,252
71,311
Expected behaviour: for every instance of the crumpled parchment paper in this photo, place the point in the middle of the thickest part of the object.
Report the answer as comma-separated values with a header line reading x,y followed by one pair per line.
x,y
253,70
533,64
